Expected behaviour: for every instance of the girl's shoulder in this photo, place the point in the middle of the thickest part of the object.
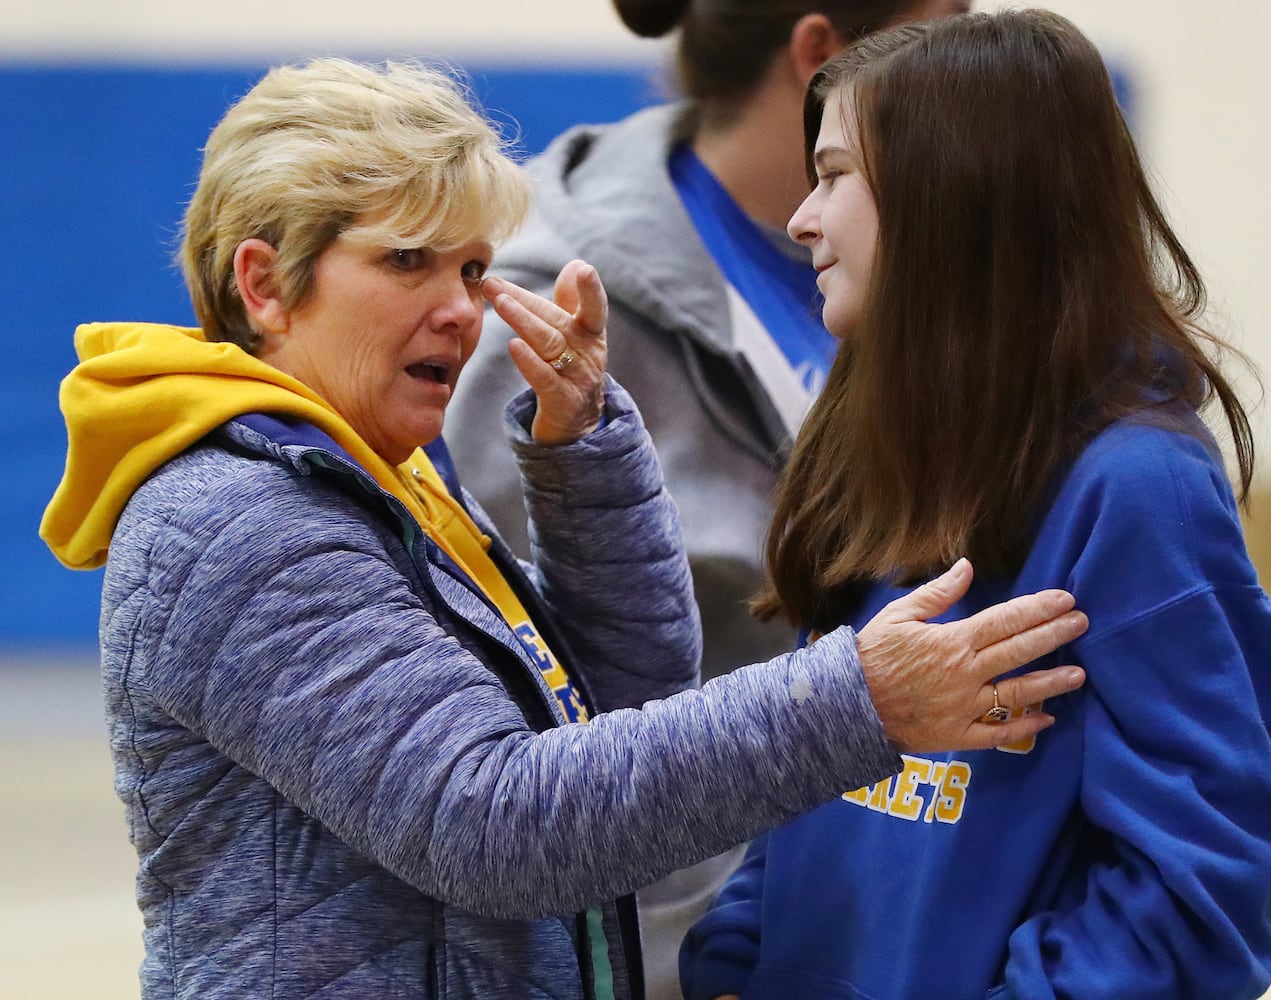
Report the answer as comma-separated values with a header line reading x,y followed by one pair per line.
x,y
1145,517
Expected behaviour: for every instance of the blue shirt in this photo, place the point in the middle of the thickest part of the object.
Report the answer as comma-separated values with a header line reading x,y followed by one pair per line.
x,y
780,290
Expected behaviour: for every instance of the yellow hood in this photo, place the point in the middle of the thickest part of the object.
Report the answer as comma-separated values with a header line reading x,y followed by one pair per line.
x,y
142,393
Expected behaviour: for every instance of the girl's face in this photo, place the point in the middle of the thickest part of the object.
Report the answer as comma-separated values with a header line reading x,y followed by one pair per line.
x,y
838,221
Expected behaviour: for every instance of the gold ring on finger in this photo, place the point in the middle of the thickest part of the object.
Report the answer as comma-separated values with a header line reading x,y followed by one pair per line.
x,y
999,712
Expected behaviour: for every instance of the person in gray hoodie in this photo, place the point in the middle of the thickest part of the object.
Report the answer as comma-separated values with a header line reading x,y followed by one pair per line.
x,y
715,325
364,752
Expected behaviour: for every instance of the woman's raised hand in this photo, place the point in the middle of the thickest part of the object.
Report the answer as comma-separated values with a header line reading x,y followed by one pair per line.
x,y
933,685
560,349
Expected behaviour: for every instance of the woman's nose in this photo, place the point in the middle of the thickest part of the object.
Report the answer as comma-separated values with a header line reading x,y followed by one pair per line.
x,y
460,306
802,225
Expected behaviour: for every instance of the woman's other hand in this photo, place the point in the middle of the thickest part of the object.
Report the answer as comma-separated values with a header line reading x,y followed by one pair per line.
x,y
933,684
560,349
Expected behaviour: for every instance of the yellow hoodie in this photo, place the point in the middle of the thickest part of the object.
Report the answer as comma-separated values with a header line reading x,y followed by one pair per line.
x,y
143,392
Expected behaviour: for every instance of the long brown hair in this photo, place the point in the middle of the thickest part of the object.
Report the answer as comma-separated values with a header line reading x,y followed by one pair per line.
x,y
1027,292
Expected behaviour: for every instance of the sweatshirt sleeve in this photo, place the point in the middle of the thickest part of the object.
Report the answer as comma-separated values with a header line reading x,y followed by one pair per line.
x,y
279,626
721,950
609,555
1176,771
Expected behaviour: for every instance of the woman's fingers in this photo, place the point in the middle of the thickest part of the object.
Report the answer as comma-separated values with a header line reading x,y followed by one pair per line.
x,y
1034,688
1006,621
590,303
560,349
1030,643
565,291
1022,697
987,735
933,683
538,322
931,599
574,319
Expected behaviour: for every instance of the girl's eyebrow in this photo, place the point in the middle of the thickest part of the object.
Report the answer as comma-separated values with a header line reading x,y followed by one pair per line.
x,y
827,152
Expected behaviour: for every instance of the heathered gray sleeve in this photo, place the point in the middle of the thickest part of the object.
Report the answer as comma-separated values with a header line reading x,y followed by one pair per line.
x,y
608,555
280,625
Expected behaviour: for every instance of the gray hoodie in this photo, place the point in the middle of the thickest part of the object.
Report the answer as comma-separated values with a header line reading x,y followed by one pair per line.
x,y
604,195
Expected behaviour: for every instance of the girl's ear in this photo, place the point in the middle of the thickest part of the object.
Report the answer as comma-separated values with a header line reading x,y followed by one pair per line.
x,y
254,261
812,41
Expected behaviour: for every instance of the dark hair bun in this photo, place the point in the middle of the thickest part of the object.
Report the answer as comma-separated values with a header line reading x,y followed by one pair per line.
x,y
651,18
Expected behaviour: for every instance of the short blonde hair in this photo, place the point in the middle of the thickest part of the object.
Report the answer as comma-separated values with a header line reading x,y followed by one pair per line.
x,y
315,150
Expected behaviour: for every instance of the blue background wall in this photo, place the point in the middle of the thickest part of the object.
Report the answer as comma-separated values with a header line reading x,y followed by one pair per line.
x,y
96,164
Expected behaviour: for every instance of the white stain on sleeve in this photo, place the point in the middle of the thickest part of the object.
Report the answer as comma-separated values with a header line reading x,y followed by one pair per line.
x,y
800,687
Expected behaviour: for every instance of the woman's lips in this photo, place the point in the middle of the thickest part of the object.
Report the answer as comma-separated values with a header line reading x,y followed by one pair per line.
x,y
428,371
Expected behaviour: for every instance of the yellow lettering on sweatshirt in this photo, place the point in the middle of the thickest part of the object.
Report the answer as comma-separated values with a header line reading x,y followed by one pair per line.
x,y
939,786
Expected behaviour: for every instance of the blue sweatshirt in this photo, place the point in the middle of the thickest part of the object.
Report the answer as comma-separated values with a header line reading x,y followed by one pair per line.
x,y
1123,853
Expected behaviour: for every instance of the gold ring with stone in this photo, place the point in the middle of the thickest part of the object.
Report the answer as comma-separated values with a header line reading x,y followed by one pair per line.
x,y
998,713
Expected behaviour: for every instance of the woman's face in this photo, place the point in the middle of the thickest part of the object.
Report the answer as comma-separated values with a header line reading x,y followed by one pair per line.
x,y
383,335
838,221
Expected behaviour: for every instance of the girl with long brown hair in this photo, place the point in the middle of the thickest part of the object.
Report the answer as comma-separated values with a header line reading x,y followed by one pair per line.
x,y
1020,379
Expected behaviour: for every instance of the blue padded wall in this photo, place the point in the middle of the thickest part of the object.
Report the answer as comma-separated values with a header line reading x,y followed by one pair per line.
x,y
97,164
